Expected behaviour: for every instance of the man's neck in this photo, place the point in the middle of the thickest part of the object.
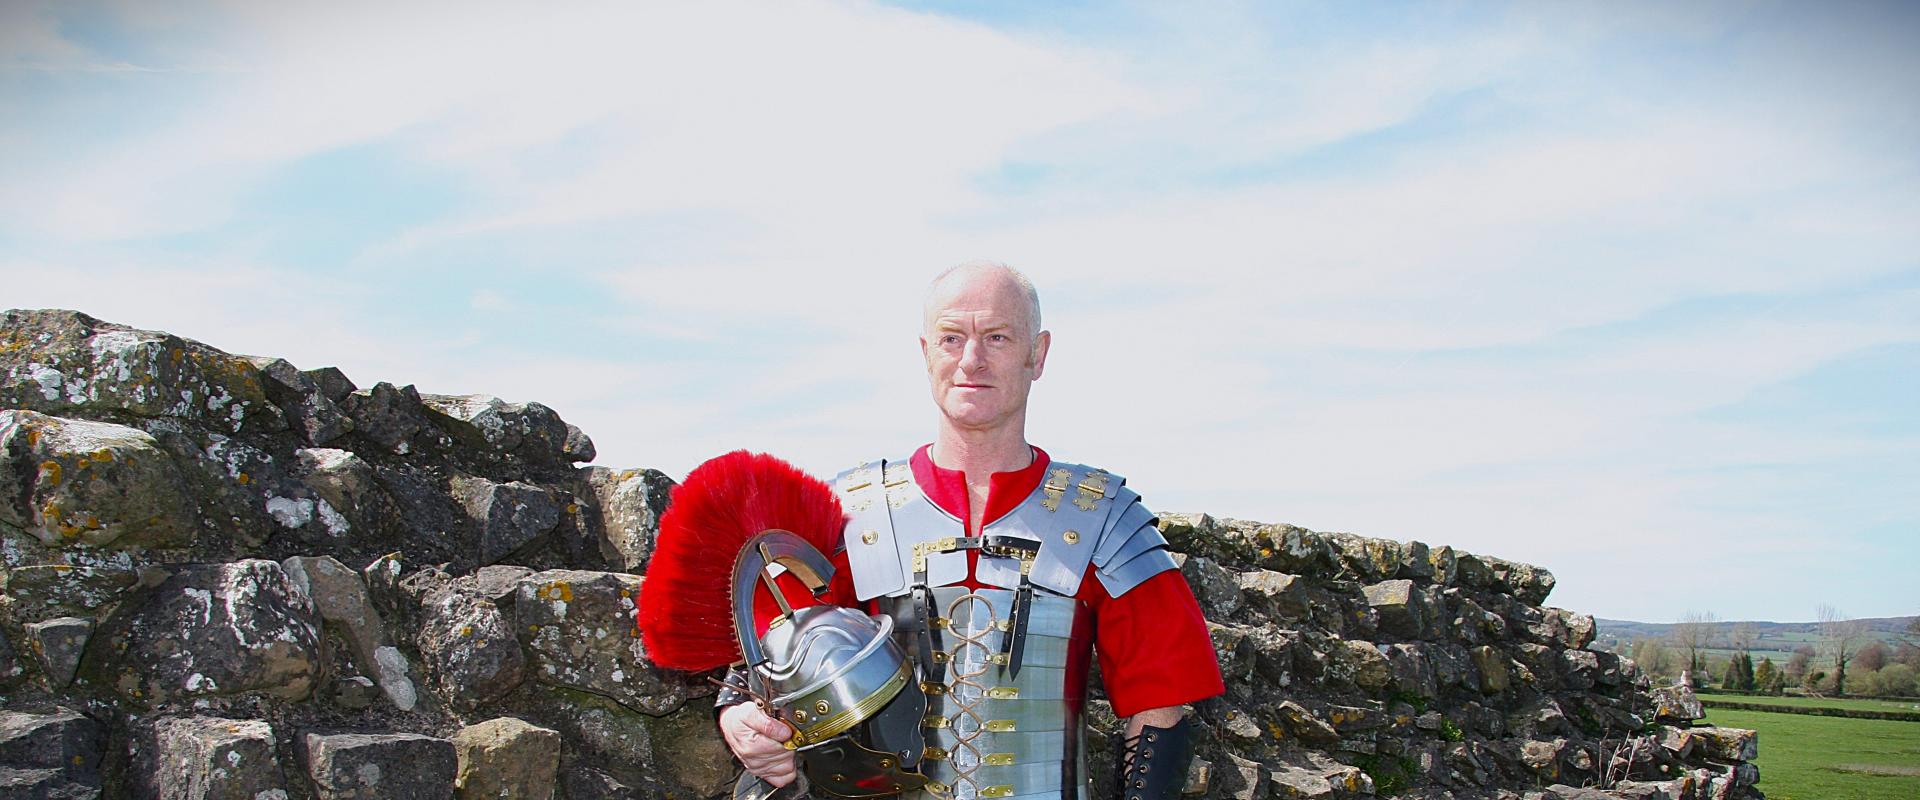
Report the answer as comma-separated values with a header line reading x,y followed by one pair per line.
x,y
979,454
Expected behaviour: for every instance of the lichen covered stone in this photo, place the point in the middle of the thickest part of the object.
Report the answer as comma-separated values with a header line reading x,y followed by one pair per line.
x,y
91,483
213,630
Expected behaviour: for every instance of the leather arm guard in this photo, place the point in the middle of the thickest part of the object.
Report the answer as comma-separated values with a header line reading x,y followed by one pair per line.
x,y
1153,765
730,694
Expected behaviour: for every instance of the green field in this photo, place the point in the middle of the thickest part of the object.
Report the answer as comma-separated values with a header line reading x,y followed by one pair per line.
x,y
1797,701
1831,758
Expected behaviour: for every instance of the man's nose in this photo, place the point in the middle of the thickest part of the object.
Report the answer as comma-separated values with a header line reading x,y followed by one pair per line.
x,y
971,358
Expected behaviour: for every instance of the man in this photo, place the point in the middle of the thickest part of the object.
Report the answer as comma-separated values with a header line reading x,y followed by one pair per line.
x,y
1002,569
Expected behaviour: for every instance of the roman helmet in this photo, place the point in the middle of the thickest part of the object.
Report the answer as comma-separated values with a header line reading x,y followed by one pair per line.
x,y
834,674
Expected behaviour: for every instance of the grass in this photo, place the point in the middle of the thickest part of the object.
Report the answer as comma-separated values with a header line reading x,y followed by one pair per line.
x,y
1860,703
1831,758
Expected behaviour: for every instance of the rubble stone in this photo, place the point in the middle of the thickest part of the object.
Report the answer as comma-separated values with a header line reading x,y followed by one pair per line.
x,y
58,644
1491,663
310,411
1361,663
1676,704
470,648
211,630
578,626
1728,744
625,508
42,591
69,364
209,758
1275,593
91,483
342,482
509,515
1402,609
1217,590
54,755
506,758
530,430
363,766
386,415
340,596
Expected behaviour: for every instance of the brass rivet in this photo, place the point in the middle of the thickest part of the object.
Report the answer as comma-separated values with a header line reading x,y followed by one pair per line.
x,y
799,715
870,537
1072,537
822,707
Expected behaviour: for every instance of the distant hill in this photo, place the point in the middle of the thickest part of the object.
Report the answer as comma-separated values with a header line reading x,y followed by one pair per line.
x,y
1769,636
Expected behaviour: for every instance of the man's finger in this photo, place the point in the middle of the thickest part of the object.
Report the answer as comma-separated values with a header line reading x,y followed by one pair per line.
x,y
768,726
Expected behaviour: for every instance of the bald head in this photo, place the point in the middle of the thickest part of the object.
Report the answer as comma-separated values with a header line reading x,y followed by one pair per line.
x,y
979,276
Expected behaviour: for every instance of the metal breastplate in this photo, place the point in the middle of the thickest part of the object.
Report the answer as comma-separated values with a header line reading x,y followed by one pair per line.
x,y
994,731
991,734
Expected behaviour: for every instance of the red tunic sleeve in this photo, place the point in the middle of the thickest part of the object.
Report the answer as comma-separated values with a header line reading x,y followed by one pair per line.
x,y
1153,644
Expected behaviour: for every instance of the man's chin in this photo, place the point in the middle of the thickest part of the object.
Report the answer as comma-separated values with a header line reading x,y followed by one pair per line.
x,y
969,416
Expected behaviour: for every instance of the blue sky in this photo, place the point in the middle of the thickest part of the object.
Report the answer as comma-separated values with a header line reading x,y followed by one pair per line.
x,y
1628,290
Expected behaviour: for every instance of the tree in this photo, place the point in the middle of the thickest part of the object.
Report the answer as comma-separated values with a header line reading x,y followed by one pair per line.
x,y
1765,676
1691,635
1739,674
1742,636
1872,657
1908,654
1653,658
1797,665
1842,638
1895,680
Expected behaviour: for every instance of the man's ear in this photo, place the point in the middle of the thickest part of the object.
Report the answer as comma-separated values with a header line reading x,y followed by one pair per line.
x,y
1040,344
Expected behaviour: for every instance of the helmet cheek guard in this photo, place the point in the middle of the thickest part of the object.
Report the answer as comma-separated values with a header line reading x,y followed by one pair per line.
x,y
833,674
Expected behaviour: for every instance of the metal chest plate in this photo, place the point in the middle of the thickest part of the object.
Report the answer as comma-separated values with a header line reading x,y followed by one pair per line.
x,y
1080,515
991,735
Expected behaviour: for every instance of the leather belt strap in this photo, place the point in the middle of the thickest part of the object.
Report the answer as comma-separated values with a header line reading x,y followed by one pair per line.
x,y
927,639
1013,645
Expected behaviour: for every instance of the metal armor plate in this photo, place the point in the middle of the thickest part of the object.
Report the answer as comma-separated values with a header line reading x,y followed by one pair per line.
x,y
1082,516
991,735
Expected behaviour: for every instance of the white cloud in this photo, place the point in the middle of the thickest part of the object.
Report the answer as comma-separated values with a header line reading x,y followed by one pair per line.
x,y
1281,287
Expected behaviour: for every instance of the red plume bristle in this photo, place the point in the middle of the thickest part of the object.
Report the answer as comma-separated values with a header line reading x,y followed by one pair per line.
x,y
686,611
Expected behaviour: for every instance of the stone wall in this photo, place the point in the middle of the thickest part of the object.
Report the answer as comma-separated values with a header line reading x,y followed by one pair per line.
x,y
229,577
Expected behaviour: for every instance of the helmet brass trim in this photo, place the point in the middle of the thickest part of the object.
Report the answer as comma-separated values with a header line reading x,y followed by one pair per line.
x,y
844,721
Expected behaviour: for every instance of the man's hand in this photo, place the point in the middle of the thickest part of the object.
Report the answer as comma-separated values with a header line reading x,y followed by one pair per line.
x,y
755,738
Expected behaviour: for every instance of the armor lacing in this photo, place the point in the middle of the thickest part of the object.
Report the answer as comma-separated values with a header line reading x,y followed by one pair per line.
x,y
965,703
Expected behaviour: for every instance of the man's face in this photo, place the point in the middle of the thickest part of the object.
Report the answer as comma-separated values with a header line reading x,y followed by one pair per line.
x,y
982,352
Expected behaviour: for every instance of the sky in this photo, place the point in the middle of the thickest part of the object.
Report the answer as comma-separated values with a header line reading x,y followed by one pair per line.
x,y
1630,291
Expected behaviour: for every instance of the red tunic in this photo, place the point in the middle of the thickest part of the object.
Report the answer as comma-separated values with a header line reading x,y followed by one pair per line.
x,y
1152,642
